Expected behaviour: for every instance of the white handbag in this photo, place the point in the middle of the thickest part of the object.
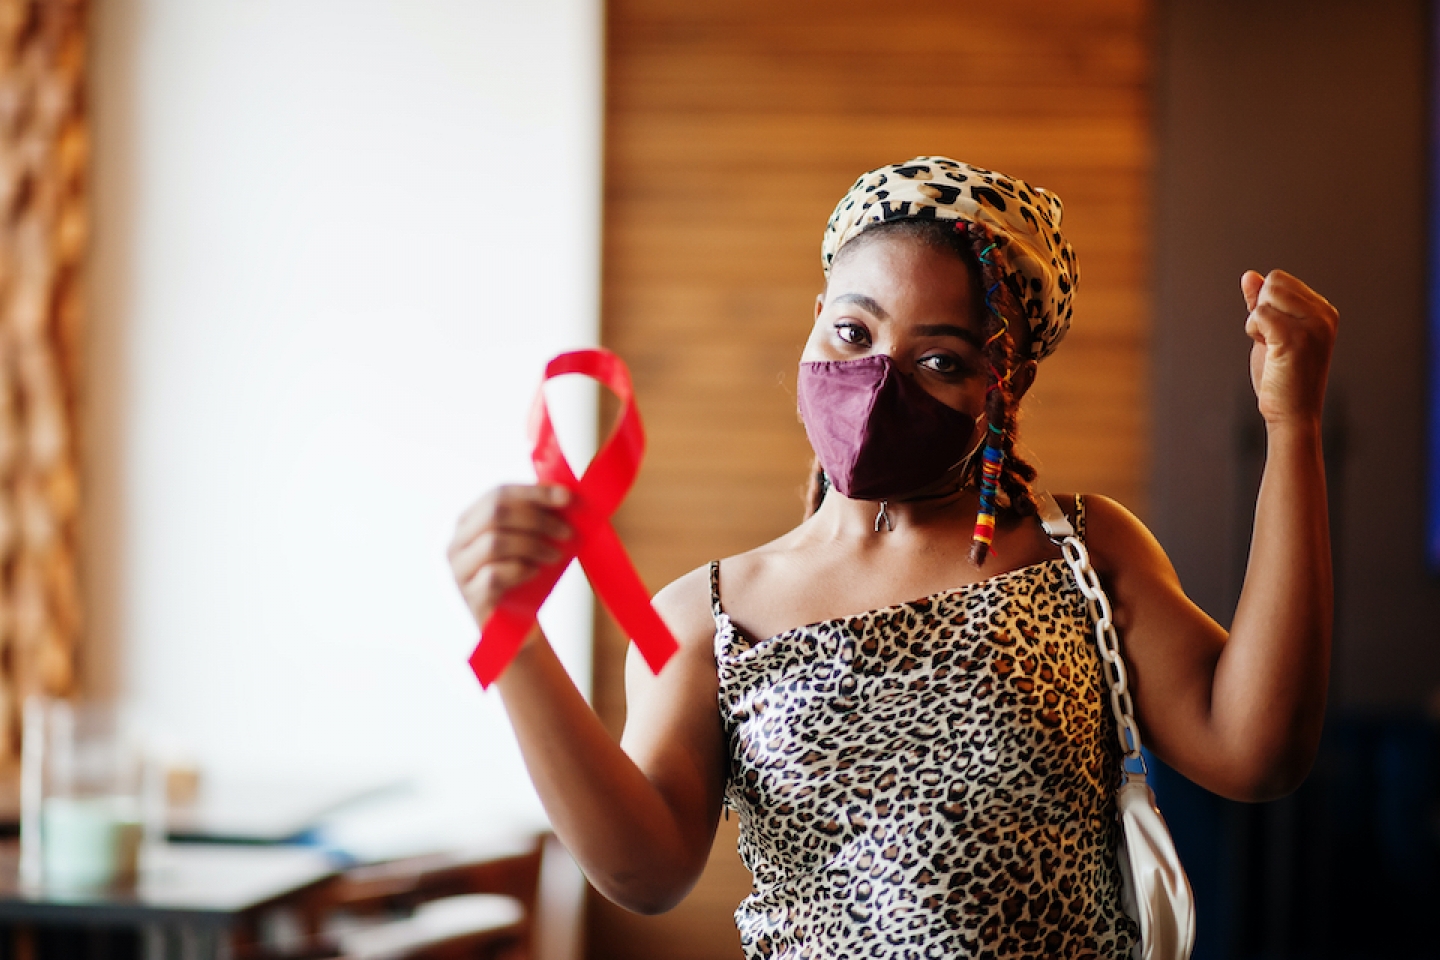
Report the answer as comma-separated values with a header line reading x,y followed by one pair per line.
x,y
1156,891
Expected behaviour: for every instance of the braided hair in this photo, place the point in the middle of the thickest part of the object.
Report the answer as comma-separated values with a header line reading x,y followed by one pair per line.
x,y
1001,473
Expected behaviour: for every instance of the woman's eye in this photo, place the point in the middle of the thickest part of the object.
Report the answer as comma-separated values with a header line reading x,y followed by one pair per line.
x,y
942,363
852,333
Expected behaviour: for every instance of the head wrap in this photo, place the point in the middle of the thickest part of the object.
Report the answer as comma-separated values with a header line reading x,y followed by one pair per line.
x,y
1023,221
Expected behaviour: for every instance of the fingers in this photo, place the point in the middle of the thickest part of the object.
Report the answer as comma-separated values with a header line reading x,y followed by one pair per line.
x,y
518,508
1284,292
492,582
1292,296
1281,299
496,546
503,539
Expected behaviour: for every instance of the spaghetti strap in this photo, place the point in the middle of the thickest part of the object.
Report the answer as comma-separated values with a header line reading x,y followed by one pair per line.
x,y
715,608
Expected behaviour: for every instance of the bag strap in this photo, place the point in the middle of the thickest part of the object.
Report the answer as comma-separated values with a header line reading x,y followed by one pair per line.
x,y
1052,518
1060,530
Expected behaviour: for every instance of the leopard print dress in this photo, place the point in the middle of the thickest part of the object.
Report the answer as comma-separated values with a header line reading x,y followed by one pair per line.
x,y
934,779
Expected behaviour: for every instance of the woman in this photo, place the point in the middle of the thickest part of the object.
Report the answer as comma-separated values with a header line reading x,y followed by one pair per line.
x,y
932,777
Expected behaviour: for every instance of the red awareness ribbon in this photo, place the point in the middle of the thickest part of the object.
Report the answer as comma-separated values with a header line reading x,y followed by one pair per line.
x,y
593,499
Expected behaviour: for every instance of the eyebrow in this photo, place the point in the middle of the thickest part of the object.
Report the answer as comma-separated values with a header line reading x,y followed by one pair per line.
x,y
869,304
949,330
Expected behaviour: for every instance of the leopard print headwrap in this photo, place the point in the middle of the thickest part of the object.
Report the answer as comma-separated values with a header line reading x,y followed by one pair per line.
x,y
1024,222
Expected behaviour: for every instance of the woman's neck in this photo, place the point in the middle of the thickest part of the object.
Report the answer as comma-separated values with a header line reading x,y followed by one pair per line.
x,y
842,517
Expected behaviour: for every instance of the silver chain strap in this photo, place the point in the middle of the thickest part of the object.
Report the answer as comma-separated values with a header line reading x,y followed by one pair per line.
x,y
1112,662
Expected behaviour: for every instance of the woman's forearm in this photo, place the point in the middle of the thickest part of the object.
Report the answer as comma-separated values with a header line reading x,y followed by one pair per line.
x,y
622,830
1271,680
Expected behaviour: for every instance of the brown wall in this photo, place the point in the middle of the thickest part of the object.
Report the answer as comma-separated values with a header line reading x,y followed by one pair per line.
x,y
1293,134
731,130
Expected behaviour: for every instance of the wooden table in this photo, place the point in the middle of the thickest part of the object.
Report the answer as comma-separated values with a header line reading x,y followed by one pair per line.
x,y
192,901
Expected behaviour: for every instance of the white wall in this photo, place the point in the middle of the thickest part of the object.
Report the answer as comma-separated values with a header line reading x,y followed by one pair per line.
x,y
335,241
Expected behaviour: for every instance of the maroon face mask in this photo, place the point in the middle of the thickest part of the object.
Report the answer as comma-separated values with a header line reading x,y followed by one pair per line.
x,y
878,433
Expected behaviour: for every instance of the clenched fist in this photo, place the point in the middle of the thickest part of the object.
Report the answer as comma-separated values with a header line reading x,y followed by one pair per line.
x,y
1294,332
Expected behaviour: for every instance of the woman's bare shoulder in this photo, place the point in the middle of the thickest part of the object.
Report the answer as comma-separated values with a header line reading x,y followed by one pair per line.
x,y
1120,542
685,604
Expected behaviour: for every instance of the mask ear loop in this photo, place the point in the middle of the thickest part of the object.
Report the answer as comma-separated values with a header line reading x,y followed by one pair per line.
x,y
995,438
966,464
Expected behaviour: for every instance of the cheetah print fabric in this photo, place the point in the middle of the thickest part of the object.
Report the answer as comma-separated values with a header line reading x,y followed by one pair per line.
x,y
1024,221
934,779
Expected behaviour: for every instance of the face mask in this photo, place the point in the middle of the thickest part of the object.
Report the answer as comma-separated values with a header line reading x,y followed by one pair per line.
x,y
879,434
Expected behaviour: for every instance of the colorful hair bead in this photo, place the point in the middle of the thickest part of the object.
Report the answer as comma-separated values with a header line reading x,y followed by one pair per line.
x,y
989,483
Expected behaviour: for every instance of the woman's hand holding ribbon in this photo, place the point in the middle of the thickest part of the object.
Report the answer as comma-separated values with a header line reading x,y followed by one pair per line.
x,y
640,828
501,542
521,551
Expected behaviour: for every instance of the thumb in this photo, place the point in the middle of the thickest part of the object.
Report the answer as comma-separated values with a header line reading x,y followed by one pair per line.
x,y
1250,284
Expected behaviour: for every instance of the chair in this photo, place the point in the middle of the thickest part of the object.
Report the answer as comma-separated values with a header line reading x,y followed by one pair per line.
x,y
475,926
461,905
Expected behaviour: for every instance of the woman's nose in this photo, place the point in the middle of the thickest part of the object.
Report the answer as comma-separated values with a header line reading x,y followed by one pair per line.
x,y
898,356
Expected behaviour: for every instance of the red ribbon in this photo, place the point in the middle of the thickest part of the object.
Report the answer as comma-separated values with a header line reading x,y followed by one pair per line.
x,y
594,498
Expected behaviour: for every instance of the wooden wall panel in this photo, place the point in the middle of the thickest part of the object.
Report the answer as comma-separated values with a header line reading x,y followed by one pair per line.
x,y
44,149
731,131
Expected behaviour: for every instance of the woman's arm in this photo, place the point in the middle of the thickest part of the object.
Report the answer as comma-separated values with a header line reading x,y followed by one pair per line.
x,y
639,820
1242,715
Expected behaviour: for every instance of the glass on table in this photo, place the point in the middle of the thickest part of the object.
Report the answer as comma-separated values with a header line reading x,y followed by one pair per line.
x,y
88,800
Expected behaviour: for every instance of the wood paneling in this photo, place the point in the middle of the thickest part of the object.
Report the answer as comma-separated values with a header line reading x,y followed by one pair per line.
x,y
44,148
731,131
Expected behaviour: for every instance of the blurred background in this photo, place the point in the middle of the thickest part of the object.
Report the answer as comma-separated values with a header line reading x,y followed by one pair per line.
x,y
279,279
333,246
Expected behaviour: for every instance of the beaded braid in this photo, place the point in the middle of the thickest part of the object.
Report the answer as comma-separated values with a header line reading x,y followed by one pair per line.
x,y
998,357
1001,469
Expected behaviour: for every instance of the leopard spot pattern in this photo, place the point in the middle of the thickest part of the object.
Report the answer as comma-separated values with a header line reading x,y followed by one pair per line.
x,y
930,780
